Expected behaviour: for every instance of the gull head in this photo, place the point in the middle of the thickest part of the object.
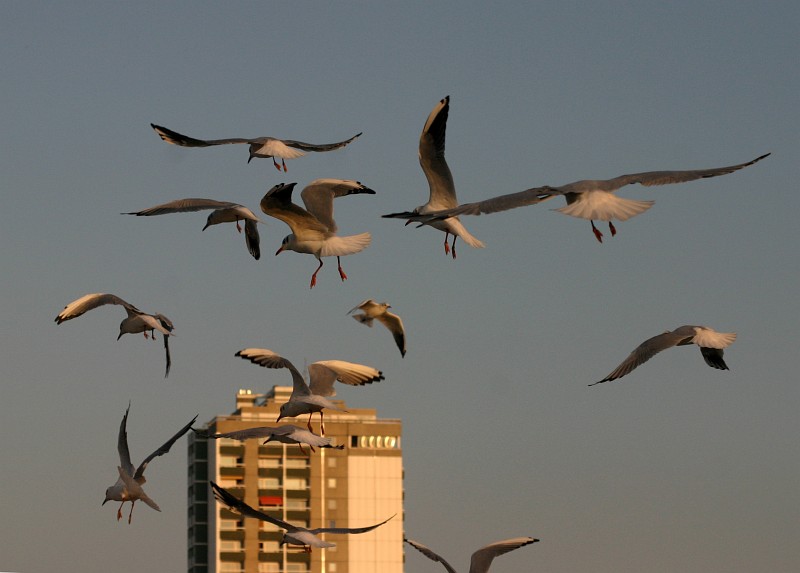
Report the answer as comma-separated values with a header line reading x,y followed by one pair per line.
x,y
286,244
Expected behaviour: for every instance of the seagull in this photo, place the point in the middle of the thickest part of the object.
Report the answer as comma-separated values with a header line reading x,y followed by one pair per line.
x,y
482,558
373,310
224,212
267,147
305,398
129,485
313,228
588,199
710,341
137,321
285,434
294,535
440,181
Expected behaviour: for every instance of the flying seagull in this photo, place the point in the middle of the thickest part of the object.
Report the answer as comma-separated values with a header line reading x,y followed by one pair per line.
x,y
482,558
710,341
313,228
223,212
285,434
137,321
129,485
310,398
588,199
440,180
294,535
372,310
267,147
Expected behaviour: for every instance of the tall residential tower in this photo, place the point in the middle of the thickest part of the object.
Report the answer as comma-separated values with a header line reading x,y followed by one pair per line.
x,y
357,486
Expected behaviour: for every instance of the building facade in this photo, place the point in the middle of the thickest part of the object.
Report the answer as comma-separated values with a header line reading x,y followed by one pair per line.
x,y
357,486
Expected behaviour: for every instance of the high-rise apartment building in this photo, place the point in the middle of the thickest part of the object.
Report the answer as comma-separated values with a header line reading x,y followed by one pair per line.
x,y
357,486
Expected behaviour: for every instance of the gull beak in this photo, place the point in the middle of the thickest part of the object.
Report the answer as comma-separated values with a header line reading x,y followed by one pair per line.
x,y
278,420
120,335
279,251
206,227
408,222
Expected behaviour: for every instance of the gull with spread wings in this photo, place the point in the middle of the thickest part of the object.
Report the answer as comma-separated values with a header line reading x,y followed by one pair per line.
x,y
223,212
313,397
136,321
482,558
313,228
588,199
129,485
285,434
440,181
372,310
710,341
294,535
267,147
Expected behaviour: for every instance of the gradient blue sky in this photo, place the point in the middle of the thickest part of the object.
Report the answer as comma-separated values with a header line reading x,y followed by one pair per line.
x,y
676,467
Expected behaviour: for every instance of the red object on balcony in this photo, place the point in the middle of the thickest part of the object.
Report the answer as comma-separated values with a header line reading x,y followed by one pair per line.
x,y
270,500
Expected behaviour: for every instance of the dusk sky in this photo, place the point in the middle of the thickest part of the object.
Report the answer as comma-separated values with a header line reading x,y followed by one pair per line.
x,y
676,467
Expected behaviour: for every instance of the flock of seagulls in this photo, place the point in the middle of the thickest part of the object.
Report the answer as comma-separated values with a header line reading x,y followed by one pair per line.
x,y
314,231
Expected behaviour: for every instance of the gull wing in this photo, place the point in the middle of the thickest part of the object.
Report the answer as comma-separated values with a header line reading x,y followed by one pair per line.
x,y
91,301
325,372
176,138
277,203
395,325
187,205
318,197
139,476
252,238
644,352
432,161
427,552
348,530
363,304
525,198
482,558
650,178
122,445
320,146
237,504
269,359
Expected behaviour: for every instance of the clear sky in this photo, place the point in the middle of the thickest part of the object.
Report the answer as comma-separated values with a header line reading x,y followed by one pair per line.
x,y
677,467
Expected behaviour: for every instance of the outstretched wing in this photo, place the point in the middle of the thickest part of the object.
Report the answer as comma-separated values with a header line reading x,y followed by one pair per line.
x,y
278,203
395,325
320,146
482,558
325,372
348,530
644,352
318,197
237,504
91,301
122,444
252,238
650,178
139,476
427,552
432,161
183,206
269,359
176,138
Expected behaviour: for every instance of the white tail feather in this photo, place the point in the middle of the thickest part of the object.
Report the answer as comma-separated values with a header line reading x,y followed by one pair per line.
x,y
339,246
604,206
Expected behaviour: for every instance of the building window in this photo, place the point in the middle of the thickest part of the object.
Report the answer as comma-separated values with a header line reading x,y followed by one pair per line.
x,y
296,483
270,547
230,546
331,482
332,567
296,568
230,567
269,463
331,462
295,463
296,504
269,483
269,567
331,504
228,461
228,525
